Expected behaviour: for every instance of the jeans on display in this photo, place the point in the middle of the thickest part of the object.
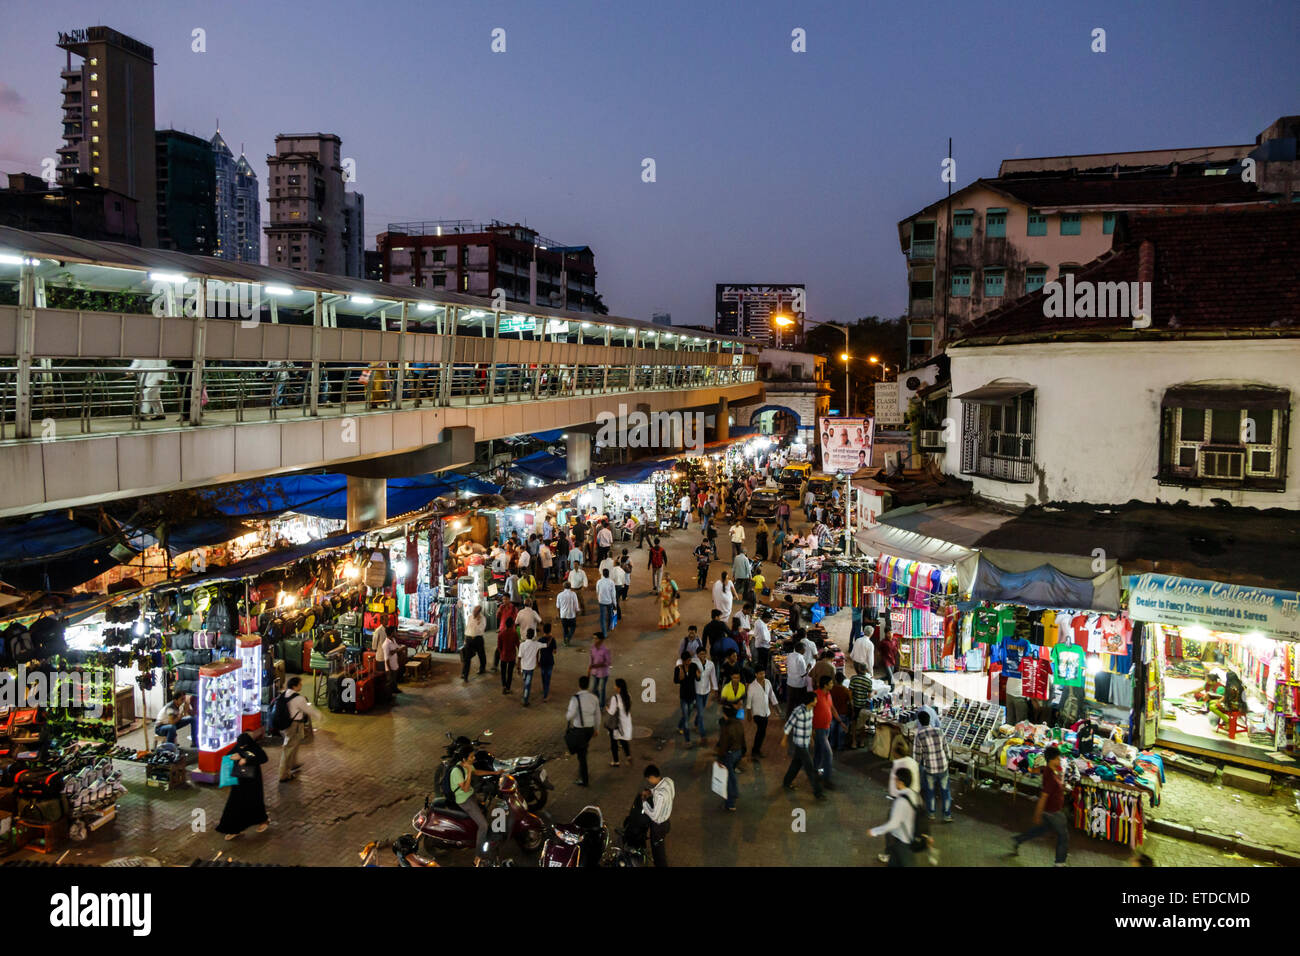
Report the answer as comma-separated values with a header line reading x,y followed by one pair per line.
x,y
932,784
528,683
822,744
598,685
606,618
546,681
1054,823
701,701
729,760
684,722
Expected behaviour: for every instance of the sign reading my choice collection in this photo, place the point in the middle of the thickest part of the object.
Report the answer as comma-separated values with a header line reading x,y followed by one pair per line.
x,y
1185,602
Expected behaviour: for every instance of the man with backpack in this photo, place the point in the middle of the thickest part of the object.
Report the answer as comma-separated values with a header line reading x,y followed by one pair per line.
x,y
907,830
658,558
289,716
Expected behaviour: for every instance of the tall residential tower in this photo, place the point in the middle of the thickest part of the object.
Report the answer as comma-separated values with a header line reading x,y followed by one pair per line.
x,y
238,206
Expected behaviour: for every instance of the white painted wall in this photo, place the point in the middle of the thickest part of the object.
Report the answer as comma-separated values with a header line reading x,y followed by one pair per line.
x,y
1097,434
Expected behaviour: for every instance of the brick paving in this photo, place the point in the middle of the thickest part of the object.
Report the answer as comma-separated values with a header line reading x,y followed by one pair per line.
x,y
367,775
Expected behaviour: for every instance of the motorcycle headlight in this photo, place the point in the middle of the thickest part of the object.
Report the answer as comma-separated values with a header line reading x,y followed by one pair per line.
x,y
573,839
419,819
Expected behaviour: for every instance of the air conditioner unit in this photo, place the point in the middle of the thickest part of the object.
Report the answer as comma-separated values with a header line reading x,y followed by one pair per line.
x,y
1223,464
932,440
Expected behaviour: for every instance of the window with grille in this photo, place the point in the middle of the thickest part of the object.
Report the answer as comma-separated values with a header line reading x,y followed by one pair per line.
x,y
1037,224
998,439
961,282
1223,436
995,223
1034,279
995,281
1071,223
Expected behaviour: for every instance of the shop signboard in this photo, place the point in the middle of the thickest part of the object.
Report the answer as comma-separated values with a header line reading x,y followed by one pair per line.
x,y
1187,602
888,410
870,505
845,443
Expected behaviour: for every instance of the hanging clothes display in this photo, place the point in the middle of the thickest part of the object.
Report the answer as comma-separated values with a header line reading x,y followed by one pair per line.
x,y
1109,813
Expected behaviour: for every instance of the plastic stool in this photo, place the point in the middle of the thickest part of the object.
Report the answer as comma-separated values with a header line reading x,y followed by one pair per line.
x,y
1236,722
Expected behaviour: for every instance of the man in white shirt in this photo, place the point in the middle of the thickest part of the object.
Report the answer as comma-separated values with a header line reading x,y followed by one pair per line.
x,y
898,830
390,651
604,541
607,564
500,560
760,698
724,595
528,618
705,685
475,625
575,557
583,712
512,589
762,637
529,651
577,578
796,672
684,506
607,595
863,653
300,711
737,534
566,603
523,560
657,804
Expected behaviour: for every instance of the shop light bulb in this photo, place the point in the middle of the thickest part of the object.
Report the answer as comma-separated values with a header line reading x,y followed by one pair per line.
x,y
425,307
1195,633
1095,664
400,569
175,278
361,300
352,572
139,628
277,290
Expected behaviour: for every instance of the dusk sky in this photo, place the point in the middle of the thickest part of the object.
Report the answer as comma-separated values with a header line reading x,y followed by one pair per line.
x,y
772,166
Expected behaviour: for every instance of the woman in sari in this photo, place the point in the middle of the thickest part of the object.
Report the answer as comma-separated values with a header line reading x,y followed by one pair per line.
x,y
669,616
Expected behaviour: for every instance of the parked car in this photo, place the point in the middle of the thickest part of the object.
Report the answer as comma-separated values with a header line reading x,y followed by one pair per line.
x,y
763,504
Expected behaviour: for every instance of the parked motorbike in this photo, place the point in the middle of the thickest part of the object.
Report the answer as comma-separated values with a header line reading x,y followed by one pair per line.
x,y
404,848
442,825
534,783
580,843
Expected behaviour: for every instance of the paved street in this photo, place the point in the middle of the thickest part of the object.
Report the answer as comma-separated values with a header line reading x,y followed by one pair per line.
x,y
367,775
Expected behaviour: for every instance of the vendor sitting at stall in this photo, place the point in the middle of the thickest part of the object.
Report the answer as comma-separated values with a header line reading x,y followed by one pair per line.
x,y
1233,700
175,715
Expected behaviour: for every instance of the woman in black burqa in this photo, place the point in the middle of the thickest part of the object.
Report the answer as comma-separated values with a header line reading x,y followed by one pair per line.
x,y
246,805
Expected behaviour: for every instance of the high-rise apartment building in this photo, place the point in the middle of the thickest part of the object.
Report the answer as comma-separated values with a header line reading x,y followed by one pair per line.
x,y
186,178
108,124
315,224
238,205
458,255
752,311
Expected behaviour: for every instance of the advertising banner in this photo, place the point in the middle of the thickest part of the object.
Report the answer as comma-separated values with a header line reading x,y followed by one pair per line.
x,y
845,443
1237,609
888,409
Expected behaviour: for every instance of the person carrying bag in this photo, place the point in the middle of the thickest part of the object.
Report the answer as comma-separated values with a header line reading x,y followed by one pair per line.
x,y
581,717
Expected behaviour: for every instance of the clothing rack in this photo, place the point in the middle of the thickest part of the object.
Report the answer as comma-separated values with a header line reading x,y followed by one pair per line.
x,y
1109,811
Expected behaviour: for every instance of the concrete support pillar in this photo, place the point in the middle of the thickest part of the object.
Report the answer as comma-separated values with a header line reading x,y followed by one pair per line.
x,y
578,457
722,421
367,503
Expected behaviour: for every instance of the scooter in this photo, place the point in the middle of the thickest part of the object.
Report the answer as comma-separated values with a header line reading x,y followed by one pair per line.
x,y
534,783
404,848
441,825
581,843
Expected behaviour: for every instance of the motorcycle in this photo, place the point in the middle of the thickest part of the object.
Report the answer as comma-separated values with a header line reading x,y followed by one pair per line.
x,y
534,783
581,842
441,825
404,848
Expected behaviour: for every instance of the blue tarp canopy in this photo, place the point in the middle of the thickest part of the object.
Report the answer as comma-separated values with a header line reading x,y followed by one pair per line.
x,y
326,496
543,465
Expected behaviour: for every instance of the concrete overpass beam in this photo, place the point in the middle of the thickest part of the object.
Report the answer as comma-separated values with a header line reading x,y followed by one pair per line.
x,y
722,420
367,503
578,456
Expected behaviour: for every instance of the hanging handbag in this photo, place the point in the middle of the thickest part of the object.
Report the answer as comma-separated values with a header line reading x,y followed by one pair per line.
x,y
228,778
610,721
